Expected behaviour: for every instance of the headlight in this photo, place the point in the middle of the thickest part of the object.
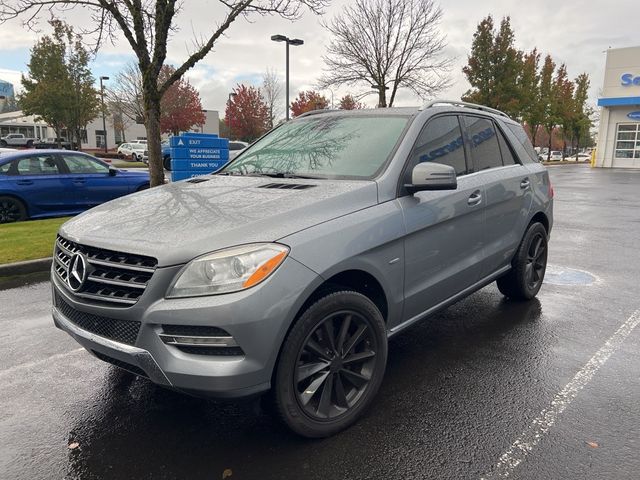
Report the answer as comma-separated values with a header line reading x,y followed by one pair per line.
x,y
228,270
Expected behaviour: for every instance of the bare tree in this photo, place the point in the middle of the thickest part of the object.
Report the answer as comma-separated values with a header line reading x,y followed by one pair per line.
x,y
272,93
126,95
147,26
387,44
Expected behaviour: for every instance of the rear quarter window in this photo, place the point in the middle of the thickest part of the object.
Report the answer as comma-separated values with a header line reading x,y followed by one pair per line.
x,y
523,138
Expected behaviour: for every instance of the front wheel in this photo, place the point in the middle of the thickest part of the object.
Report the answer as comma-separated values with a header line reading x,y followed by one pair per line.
x,y
331,365
12,210
528,267
134,157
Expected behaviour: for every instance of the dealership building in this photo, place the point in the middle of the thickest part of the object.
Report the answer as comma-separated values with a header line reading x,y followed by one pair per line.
x,y
619,133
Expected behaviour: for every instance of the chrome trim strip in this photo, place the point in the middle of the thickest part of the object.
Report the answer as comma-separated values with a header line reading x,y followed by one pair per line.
x,y
124,266
144,359
188,340
64,249
119,283
105,298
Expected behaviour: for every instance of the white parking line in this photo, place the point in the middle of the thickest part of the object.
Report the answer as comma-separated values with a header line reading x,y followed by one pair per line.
x,y
28,365
543,422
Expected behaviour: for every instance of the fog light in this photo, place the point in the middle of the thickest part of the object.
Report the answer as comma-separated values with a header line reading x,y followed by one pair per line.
x,y
184,341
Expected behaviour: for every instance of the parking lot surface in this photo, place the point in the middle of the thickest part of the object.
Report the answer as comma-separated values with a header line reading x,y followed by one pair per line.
x,y
489,388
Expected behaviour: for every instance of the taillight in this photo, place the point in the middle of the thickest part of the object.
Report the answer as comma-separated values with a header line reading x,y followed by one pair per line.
x,y
551,192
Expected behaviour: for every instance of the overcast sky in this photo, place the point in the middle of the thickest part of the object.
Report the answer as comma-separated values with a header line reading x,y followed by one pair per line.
x,y
576,32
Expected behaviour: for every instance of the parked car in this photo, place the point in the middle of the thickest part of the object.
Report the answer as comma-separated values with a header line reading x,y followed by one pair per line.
x,y
17,140
49,183
52,142
133,151
236,147
581,157
140,141
555,155
286,272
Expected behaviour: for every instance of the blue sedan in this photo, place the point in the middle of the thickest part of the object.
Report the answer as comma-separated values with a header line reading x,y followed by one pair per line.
x,y
49,183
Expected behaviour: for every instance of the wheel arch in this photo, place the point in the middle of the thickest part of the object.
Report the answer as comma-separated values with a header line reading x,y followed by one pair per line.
x,y
26,204
542,218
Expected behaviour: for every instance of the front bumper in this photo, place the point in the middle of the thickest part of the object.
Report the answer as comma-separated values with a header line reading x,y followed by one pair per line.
x,y
257,318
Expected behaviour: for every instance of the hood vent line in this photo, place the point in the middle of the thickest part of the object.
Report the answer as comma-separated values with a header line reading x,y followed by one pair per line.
x,y
287,186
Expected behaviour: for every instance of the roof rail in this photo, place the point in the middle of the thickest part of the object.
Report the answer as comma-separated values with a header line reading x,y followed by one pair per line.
x,y
460,103
316,112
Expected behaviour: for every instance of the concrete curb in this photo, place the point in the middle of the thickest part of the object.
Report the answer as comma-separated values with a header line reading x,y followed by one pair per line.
x,y
26,267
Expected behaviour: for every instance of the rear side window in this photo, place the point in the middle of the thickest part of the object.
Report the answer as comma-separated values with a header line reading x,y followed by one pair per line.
x,y
507,155
37,165
523,138
483,143
440,141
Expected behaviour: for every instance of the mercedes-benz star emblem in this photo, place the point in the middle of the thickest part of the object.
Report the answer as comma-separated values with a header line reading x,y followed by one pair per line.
x,y
77,272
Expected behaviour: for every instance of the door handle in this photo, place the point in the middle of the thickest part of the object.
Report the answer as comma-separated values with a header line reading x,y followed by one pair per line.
x,y
25,182
79,180
474,199
525,183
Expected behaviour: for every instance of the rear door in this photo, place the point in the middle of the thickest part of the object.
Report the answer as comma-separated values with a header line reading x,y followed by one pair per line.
x,y
443,246
508,190
90,180
38,179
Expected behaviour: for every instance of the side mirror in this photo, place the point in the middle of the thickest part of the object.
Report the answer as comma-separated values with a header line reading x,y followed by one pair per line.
x,y
432,176
112,171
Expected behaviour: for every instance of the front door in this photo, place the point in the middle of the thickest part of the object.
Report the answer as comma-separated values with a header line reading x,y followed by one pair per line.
x,y
444,242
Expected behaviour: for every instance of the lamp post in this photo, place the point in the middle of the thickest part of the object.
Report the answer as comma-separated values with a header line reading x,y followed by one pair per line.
x,y
231,95
104,121
289,41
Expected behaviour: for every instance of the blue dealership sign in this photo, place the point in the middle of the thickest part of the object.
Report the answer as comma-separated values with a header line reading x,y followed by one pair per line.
x,y
634,115
195,154
628,79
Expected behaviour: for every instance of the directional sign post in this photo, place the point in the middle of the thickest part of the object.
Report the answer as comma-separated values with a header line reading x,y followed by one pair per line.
x,y
195,154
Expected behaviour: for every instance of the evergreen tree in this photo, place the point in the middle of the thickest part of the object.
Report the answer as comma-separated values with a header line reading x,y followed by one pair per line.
x,y
529,86
581,120
549,119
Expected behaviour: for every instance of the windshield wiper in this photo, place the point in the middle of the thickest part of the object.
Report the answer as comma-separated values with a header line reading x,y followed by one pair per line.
x,y
286,175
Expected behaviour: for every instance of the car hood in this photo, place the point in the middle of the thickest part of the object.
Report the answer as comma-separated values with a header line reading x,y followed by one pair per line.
x,y
180,221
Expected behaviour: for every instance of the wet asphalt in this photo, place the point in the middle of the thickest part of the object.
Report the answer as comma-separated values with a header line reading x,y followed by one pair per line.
x,y
459,389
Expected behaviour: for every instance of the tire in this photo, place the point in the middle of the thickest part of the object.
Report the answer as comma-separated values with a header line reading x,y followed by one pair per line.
x,y
134,157
166,162
342,385
3,143
12,210
529,265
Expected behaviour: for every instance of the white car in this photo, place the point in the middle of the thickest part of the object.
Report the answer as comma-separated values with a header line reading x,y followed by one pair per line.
x,y
555,155
133,151
236,147
142,141
582,157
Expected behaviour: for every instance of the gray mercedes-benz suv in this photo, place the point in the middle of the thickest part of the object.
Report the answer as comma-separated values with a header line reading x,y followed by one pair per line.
x,y
286,272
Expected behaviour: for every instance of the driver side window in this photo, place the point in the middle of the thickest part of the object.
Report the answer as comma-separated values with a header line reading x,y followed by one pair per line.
x,y
78,164
441,142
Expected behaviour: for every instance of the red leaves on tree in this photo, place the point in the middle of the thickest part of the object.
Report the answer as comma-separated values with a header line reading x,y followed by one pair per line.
x,y
247,114
307,101
180,107
349,103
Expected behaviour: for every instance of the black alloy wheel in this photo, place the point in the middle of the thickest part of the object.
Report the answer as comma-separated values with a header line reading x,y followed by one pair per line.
x,y
331,365
12,210
536,260
335,365
529,265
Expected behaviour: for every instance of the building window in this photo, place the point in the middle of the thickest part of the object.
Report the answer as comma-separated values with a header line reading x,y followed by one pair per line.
x,y
628,140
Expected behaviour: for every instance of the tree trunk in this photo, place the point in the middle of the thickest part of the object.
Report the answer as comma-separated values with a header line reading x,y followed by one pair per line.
x,y
382,97
156,169
534,134
550,141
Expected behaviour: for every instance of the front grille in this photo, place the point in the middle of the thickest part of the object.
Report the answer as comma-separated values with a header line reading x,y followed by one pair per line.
x,y
120,364
112,277
123,331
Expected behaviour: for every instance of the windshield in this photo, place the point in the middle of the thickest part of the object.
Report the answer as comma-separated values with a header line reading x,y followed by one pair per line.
x,y
330,146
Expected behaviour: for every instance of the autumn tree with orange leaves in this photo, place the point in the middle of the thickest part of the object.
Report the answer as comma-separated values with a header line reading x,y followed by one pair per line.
x,y
307,101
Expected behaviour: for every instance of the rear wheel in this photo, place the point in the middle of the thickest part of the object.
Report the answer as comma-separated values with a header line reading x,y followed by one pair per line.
x,y
12,210
529,266
29,143
3,143
331,365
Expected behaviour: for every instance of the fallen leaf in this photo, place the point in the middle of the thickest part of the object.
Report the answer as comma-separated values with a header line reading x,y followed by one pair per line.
x,y
74,445
227,473
593,444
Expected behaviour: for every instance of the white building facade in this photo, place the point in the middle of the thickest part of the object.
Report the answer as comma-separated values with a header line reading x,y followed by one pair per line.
x,y
619,132
93,135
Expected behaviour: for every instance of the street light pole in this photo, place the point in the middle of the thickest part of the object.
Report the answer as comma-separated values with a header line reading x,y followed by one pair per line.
x,y
104,121
289,41
231,95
